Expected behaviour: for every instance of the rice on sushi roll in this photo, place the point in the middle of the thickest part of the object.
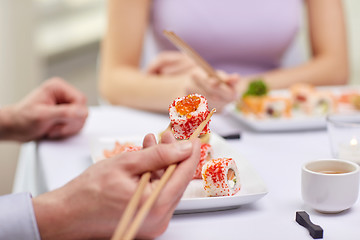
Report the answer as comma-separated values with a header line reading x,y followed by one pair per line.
x,y
301,94
322,103
187,113
206,153
221,177
276,107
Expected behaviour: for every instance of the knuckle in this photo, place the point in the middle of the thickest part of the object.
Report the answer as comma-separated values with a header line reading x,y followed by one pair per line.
x,y
37,119
159,211
129,160
53,81
161,153
56,79
82,98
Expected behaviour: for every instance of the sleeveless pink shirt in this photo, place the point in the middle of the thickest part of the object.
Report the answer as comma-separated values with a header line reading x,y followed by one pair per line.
x,y
242,36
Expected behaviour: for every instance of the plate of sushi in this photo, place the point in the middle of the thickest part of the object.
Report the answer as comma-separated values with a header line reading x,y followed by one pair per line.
x,y
301,107
207,191
223,179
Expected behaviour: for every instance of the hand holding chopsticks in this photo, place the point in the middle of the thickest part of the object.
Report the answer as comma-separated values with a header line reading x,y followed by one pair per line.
x,y
220,89
146,207
185,48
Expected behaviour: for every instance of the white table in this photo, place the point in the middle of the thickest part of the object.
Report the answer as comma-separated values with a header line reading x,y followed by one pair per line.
x,y
277,157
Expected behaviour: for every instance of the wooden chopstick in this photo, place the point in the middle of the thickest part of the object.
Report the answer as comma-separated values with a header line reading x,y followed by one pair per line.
x,y
184,47
144,210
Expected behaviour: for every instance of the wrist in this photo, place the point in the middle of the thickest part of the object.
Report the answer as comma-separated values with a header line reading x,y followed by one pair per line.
x,y
6,123
49,212
241,87
62,213
55,217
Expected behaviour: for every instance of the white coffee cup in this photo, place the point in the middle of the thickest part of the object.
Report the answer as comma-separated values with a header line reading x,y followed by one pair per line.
x,y
330,185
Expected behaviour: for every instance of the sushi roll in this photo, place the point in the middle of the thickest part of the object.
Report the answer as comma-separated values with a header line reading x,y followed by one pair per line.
x,y
251,105
186,114
220,177
276,107
301,94
322,103
206,153
251,100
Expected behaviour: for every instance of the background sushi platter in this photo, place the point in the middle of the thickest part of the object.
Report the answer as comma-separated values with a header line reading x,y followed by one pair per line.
x,y
297,121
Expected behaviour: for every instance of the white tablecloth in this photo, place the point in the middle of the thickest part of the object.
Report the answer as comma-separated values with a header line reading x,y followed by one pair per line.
x,y
277,157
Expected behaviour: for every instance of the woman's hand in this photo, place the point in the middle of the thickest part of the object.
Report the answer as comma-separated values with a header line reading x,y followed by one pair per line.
x,y
198,81
171,63
217,93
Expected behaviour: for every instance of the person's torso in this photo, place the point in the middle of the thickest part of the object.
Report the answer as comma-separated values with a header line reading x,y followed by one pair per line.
x,y
236,35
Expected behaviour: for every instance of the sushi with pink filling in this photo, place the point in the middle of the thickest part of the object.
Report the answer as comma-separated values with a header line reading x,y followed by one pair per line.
x,y
221,177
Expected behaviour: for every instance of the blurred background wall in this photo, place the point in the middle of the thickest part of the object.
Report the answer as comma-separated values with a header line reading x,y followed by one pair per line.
x,y
40,39
44,38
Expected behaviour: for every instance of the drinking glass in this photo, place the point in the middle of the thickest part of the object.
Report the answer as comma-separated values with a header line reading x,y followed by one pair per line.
x,y
344,134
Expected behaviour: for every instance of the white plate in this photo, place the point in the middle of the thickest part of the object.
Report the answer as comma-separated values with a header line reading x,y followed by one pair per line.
x,y
282,124
297,121
194,199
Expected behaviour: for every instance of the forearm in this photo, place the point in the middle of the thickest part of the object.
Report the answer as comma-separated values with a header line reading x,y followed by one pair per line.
x,y
130,87
327,34
318,71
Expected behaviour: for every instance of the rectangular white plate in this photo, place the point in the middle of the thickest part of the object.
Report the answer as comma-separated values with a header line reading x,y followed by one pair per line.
x,y
194,199
296,122
278,124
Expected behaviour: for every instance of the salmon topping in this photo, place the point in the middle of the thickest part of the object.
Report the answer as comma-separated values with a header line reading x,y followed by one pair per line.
x,y
230,174
188,105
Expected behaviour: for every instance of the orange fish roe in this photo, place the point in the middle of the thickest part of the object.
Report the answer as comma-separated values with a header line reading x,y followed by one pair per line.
x,y
215,171
188,105
194,110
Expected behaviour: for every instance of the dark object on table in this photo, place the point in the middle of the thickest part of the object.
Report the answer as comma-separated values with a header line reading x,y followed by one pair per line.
x,y
232,136
303,219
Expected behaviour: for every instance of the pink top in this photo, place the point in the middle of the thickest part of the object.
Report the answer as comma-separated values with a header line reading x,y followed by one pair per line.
x,y
242,36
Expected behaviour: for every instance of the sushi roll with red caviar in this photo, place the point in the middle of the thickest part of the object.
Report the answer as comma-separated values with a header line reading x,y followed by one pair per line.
x,y
220,177
186,114
206,153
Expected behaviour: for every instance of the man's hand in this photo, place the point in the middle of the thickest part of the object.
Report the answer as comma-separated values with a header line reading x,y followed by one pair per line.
x,y
53,110
90,206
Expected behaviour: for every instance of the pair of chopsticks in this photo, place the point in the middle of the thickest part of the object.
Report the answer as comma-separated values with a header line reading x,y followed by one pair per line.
x,y
185,48
135,199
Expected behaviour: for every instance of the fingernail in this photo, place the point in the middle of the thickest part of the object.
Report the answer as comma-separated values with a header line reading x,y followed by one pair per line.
x,y
184,145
